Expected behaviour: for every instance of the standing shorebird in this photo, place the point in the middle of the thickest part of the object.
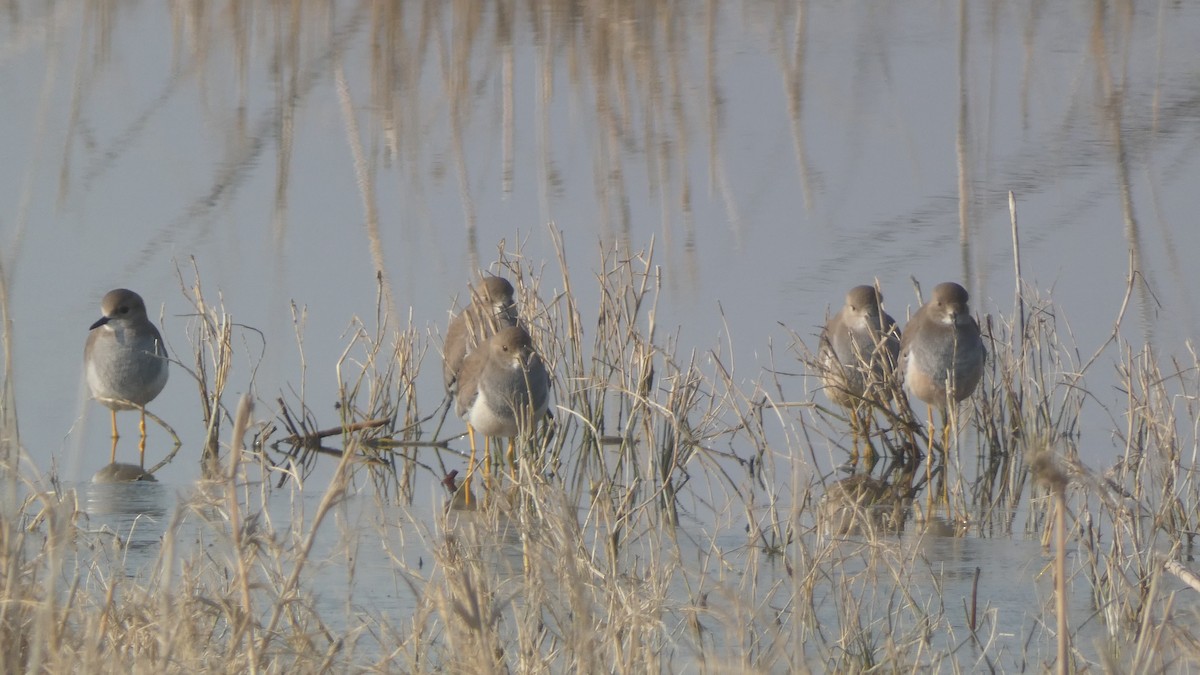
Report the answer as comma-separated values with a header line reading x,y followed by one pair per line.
x,y
125,360
503,388
942,353
860,346
491,309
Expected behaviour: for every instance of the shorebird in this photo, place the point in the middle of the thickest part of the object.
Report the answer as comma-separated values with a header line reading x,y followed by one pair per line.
x,y
859,349
125,360
491,309
503,388
942,353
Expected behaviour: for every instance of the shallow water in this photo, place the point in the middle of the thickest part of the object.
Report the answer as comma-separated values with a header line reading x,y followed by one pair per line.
x,y
375,564
777,159
772,155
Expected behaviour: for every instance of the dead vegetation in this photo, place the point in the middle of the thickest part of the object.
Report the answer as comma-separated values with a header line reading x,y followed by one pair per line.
x,y
668,519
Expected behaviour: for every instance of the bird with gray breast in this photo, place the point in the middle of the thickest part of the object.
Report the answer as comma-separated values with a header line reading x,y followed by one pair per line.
x,y
125,360
491,309
503,388
859,349
941,352
941,360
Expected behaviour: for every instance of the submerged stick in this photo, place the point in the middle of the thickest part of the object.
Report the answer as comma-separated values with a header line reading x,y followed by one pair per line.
x,y
296,439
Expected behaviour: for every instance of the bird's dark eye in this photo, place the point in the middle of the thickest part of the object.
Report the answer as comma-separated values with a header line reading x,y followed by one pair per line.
x,y
123,310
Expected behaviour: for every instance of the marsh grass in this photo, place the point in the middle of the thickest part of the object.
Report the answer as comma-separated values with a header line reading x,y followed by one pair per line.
x,y
671,516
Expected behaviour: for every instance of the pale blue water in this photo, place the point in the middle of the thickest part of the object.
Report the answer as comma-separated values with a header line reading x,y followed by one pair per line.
x,y
772,162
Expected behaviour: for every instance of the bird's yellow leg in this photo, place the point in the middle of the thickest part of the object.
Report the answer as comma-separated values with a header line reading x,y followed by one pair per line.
x,y
946,427
142,442
932,435
854,428
115,435
470,467
512,458
487,462
113,459
871,455
929,491
487,459
913,451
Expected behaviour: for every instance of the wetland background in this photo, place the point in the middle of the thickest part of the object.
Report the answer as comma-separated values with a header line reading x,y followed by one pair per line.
x,y
323,168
